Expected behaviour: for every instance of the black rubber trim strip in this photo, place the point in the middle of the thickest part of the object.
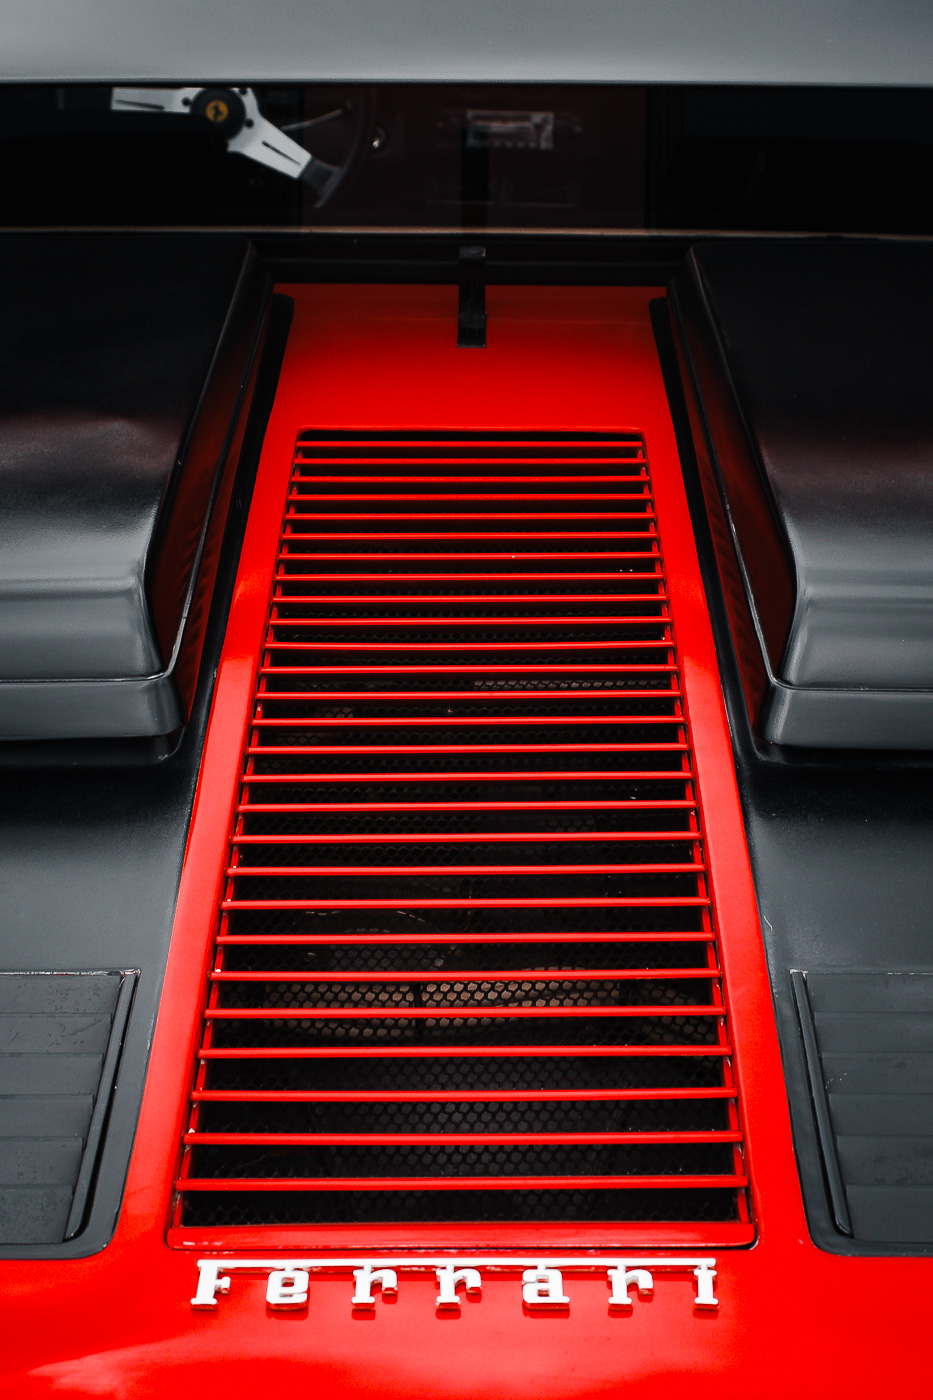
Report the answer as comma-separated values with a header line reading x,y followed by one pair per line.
x,y
512,259
824,1126
102,1106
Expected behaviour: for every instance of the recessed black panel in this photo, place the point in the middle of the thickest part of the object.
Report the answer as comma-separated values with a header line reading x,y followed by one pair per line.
x,y
868,1038
60,1039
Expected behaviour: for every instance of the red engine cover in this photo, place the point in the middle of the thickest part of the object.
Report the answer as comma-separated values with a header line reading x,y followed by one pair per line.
x,y
788,1318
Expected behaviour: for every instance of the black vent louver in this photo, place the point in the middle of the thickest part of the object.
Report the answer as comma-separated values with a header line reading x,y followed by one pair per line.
x,y
466,968
61,1035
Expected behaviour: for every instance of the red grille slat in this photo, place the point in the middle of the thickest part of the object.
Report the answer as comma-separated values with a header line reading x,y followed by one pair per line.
x,y
397,695
610,975
465,1052
461,1183
376,536
355,646
351,622
523,902
464,939
501,1096
502,976
306,498
459,516
475,723
495,776
467,556
447,1139
675,804
454,1012
396,578
464,748
426,836
286,871
368,599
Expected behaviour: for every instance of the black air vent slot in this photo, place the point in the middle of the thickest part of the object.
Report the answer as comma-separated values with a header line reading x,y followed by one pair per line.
x,y
868,1038
60,1040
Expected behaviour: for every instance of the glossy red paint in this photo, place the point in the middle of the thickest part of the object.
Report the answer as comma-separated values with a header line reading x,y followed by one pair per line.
x,y
792,1320
242,1014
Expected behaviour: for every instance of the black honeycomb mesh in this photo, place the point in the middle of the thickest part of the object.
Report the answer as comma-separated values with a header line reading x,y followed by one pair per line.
x,y
399,1030
466,894
428,1073
284,1162
448,959
231,1208
529,993
513,1116
466,918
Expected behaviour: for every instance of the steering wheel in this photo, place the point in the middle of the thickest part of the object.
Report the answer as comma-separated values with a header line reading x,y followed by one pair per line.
x,y
338,129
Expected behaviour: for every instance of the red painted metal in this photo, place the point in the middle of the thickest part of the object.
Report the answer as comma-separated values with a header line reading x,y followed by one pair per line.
x,y
461,1096
243,873
368,837
461,1052
380,637
465,1183
415,1013
625,974
457,1140
475,902
792,1320
500,775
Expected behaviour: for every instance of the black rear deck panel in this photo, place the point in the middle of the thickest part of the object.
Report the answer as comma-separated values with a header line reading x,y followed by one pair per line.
x,y
841,846
92,837
91,850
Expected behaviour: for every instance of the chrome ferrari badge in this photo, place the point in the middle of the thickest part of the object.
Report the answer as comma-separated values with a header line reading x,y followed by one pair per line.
x,y
543,1280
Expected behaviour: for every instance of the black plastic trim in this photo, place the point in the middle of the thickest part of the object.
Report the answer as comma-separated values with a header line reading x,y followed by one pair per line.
x,y
824,1127
111,699
839,843
840,590
101,1107
92,843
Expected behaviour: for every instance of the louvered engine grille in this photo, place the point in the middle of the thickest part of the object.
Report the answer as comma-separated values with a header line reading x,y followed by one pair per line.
x,y
466,968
